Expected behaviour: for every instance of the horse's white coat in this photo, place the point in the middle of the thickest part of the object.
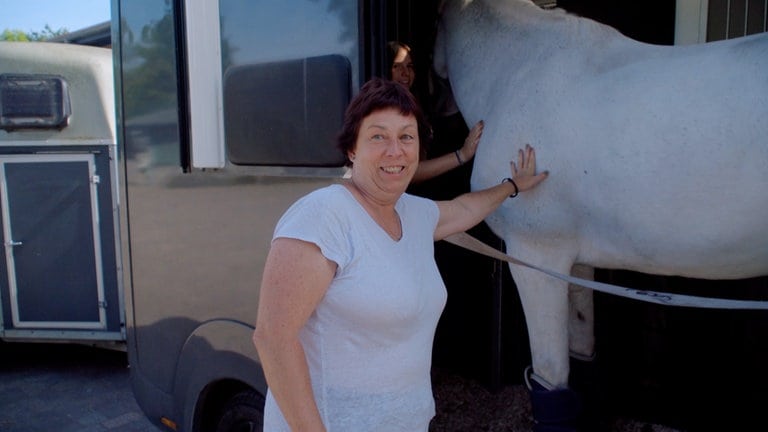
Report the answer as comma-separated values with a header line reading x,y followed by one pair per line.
x,y
658,156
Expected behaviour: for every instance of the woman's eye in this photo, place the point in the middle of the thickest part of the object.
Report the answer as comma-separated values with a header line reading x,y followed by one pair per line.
x,y
407,137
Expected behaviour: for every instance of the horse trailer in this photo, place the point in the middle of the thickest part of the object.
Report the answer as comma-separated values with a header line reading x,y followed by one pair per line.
x,y
58,187
226,114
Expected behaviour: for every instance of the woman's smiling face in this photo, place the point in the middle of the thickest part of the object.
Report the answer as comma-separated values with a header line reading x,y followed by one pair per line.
x,y
402,68
386,153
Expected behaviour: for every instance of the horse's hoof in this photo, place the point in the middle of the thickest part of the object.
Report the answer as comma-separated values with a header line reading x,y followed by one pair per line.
x,y
554,410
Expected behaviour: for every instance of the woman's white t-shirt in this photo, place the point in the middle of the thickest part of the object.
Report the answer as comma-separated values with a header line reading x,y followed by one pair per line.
x,y
369,342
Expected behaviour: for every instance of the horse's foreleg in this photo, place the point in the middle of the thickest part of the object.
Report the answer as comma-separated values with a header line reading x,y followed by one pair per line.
x,y
545,303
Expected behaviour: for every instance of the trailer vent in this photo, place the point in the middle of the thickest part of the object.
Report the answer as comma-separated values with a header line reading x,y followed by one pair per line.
x,y
33,101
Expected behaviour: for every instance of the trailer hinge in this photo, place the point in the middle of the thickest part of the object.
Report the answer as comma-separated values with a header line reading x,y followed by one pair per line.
x,y
103,304
95,179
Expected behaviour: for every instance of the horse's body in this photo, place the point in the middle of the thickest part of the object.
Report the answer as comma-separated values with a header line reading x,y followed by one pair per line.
x,y
658,156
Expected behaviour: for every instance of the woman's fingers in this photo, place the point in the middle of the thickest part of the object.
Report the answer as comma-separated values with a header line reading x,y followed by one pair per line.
x,y
473,140
524,171
531,158
527,159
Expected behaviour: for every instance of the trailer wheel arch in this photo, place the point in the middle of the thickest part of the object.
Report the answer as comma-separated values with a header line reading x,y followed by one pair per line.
x,y
242,411
218,362
227,402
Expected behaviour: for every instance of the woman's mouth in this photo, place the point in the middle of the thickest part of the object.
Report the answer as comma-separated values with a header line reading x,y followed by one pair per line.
x,y
393,169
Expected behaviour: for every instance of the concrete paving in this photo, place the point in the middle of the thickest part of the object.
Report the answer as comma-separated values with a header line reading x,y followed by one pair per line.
x,y
66,388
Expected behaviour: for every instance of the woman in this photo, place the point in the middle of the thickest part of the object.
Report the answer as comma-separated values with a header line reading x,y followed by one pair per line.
x,y
351,295
403,72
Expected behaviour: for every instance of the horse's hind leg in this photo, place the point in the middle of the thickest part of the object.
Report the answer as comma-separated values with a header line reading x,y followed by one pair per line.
x,y
581,329
581,321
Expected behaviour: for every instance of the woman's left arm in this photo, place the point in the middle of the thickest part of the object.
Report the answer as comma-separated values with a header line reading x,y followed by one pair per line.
x,y
467,210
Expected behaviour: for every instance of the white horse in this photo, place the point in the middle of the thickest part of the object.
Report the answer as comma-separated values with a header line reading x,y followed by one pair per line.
x,y
658,155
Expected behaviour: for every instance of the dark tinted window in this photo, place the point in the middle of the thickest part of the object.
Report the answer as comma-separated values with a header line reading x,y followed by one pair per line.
x,y
289,69
286,112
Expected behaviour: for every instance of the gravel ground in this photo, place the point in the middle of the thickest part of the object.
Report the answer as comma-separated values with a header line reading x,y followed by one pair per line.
x,y
464,405
82,389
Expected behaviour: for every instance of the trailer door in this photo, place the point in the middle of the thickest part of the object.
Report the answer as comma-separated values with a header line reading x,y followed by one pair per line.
x,y
52,250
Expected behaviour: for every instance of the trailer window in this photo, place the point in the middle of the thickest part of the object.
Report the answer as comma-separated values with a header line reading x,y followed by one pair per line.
x,y
288,70
286,112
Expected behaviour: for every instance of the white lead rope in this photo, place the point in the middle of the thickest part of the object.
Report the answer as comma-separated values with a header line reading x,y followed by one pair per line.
x,y
468,242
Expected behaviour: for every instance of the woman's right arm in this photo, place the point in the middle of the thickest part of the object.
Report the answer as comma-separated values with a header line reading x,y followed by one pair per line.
x,y
296,277
434,167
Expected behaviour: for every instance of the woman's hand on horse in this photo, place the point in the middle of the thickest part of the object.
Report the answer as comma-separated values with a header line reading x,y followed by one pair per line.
x,y
473,140
524,172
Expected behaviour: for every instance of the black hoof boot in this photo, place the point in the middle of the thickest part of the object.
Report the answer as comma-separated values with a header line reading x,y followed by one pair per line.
x,y
554,410
584,380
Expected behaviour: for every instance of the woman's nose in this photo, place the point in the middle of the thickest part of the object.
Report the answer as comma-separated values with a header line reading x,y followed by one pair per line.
x,y
394,147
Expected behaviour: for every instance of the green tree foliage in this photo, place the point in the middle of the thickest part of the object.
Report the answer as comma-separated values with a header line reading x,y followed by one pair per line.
x,y
47,33
14,36
20,36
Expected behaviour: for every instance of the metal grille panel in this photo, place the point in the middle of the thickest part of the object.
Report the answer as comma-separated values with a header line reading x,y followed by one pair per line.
x,y
728,19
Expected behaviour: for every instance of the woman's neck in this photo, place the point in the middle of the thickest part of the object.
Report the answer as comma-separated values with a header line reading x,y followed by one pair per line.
x,y
381,211
381,203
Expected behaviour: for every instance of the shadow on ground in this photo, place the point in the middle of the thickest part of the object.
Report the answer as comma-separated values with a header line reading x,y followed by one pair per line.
x,y
66,388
